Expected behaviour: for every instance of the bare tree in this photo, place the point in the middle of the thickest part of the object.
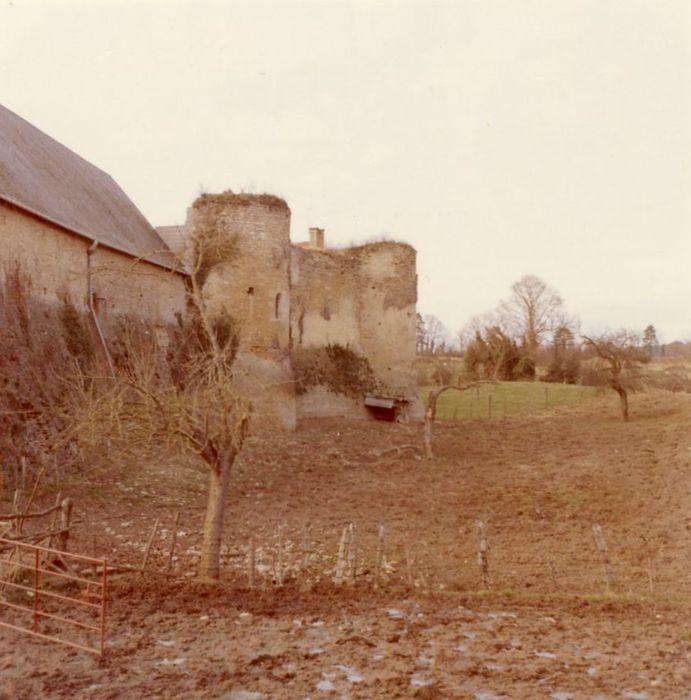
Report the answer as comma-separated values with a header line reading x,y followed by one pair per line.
x,y
141,415
621,355
436,335
532,310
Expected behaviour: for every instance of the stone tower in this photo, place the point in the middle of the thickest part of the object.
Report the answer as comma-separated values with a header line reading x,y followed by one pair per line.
x,y
249,236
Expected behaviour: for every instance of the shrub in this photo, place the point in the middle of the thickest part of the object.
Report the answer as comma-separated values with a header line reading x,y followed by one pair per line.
x,y
76,335
337,367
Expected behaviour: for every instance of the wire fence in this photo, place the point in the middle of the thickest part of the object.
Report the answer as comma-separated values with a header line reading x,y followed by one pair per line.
x,y
591,561
508,399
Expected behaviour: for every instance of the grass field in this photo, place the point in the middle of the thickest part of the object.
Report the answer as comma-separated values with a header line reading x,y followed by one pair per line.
x,y
506,399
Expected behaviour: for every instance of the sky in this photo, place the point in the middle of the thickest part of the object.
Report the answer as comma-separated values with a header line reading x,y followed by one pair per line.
x,y
498,137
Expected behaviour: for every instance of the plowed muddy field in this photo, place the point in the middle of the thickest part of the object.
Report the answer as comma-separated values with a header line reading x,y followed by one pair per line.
x,y
351,566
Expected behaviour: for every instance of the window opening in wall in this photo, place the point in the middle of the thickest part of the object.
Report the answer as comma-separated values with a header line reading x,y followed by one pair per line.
x,y
250,301
277,305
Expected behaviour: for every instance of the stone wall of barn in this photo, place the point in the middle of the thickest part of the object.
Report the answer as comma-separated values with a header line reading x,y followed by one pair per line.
x,y
55,266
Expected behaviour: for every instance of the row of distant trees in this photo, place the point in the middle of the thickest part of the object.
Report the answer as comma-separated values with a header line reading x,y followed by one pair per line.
x,y
531,329
530,326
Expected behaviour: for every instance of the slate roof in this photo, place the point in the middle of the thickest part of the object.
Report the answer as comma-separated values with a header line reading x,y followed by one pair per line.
x,y
43,177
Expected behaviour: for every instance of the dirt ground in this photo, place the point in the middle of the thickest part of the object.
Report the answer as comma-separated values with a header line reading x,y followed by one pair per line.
x,y
551,625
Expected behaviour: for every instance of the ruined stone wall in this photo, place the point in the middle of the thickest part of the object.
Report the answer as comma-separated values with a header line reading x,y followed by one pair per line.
x,y
364,297
325,304
54,263
282,298
388,297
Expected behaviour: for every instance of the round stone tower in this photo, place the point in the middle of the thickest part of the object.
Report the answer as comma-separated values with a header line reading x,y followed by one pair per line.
x,y
244,270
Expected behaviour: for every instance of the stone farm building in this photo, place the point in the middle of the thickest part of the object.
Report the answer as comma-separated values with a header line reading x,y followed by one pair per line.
x,y
76,235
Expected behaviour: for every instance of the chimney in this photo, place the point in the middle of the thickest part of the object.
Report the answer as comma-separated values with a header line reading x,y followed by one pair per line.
x,y
317,238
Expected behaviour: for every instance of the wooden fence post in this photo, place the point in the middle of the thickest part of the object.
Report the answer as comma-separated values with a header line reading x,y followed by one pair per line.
x,y
252,563
601,546
482,553
65,518
380,556
148,545
173,542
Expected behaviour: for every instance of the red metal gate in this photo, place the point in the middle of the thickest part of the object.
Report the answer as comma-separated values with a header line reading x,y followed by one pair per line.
x,y
27,570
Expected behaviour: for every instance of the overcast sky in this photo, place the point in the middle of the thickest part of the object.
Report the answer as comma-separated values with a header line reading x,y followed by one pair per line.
x,y
499,138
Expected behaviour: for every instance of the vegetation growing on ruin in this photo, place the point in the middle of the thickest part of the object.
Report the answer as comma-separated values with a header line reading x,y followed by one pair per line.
x,y
337,367
242,199
375,244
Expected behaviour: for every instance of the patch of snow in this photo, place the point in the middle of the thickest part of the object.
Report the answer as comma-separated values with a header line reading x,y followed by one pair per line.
x,y
634,695
352,676
325,685
171,662
418,681
545,654
423,660
561,695
166,642
394,614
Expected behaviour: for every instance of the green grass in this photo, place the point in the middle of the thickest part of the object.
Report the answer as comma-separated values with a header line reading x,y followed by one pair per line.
x,y
506,399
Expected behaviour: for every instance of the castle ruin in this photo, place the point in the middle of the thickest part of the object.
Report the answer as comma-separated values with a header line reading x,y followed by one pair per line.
x,y
286,298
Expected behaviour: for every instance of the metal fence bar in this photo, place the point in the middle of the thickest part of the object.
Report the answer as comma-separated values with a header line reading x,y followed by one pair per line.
x,y
50,572
40,613
66,642
51,550
100,590
37,588
56,596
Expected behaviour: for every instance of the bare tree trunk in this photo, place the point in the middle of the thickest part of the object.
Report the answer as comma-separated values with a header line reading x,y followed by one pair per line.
x,y
624,402
219,483
429,426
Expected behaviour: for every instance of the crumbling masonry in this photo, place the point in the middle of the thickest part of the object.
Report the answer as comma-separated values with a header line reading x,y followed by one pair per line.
x,y
285,297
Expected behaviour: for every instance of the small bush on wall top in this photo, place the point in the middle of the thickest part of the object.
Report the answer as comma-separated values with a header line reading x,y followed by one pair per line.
x,y
337,367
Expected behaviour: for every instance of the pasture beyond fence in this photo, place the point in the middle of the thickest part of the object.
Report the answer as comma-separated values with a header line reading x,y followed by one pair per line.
x,y
495,400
